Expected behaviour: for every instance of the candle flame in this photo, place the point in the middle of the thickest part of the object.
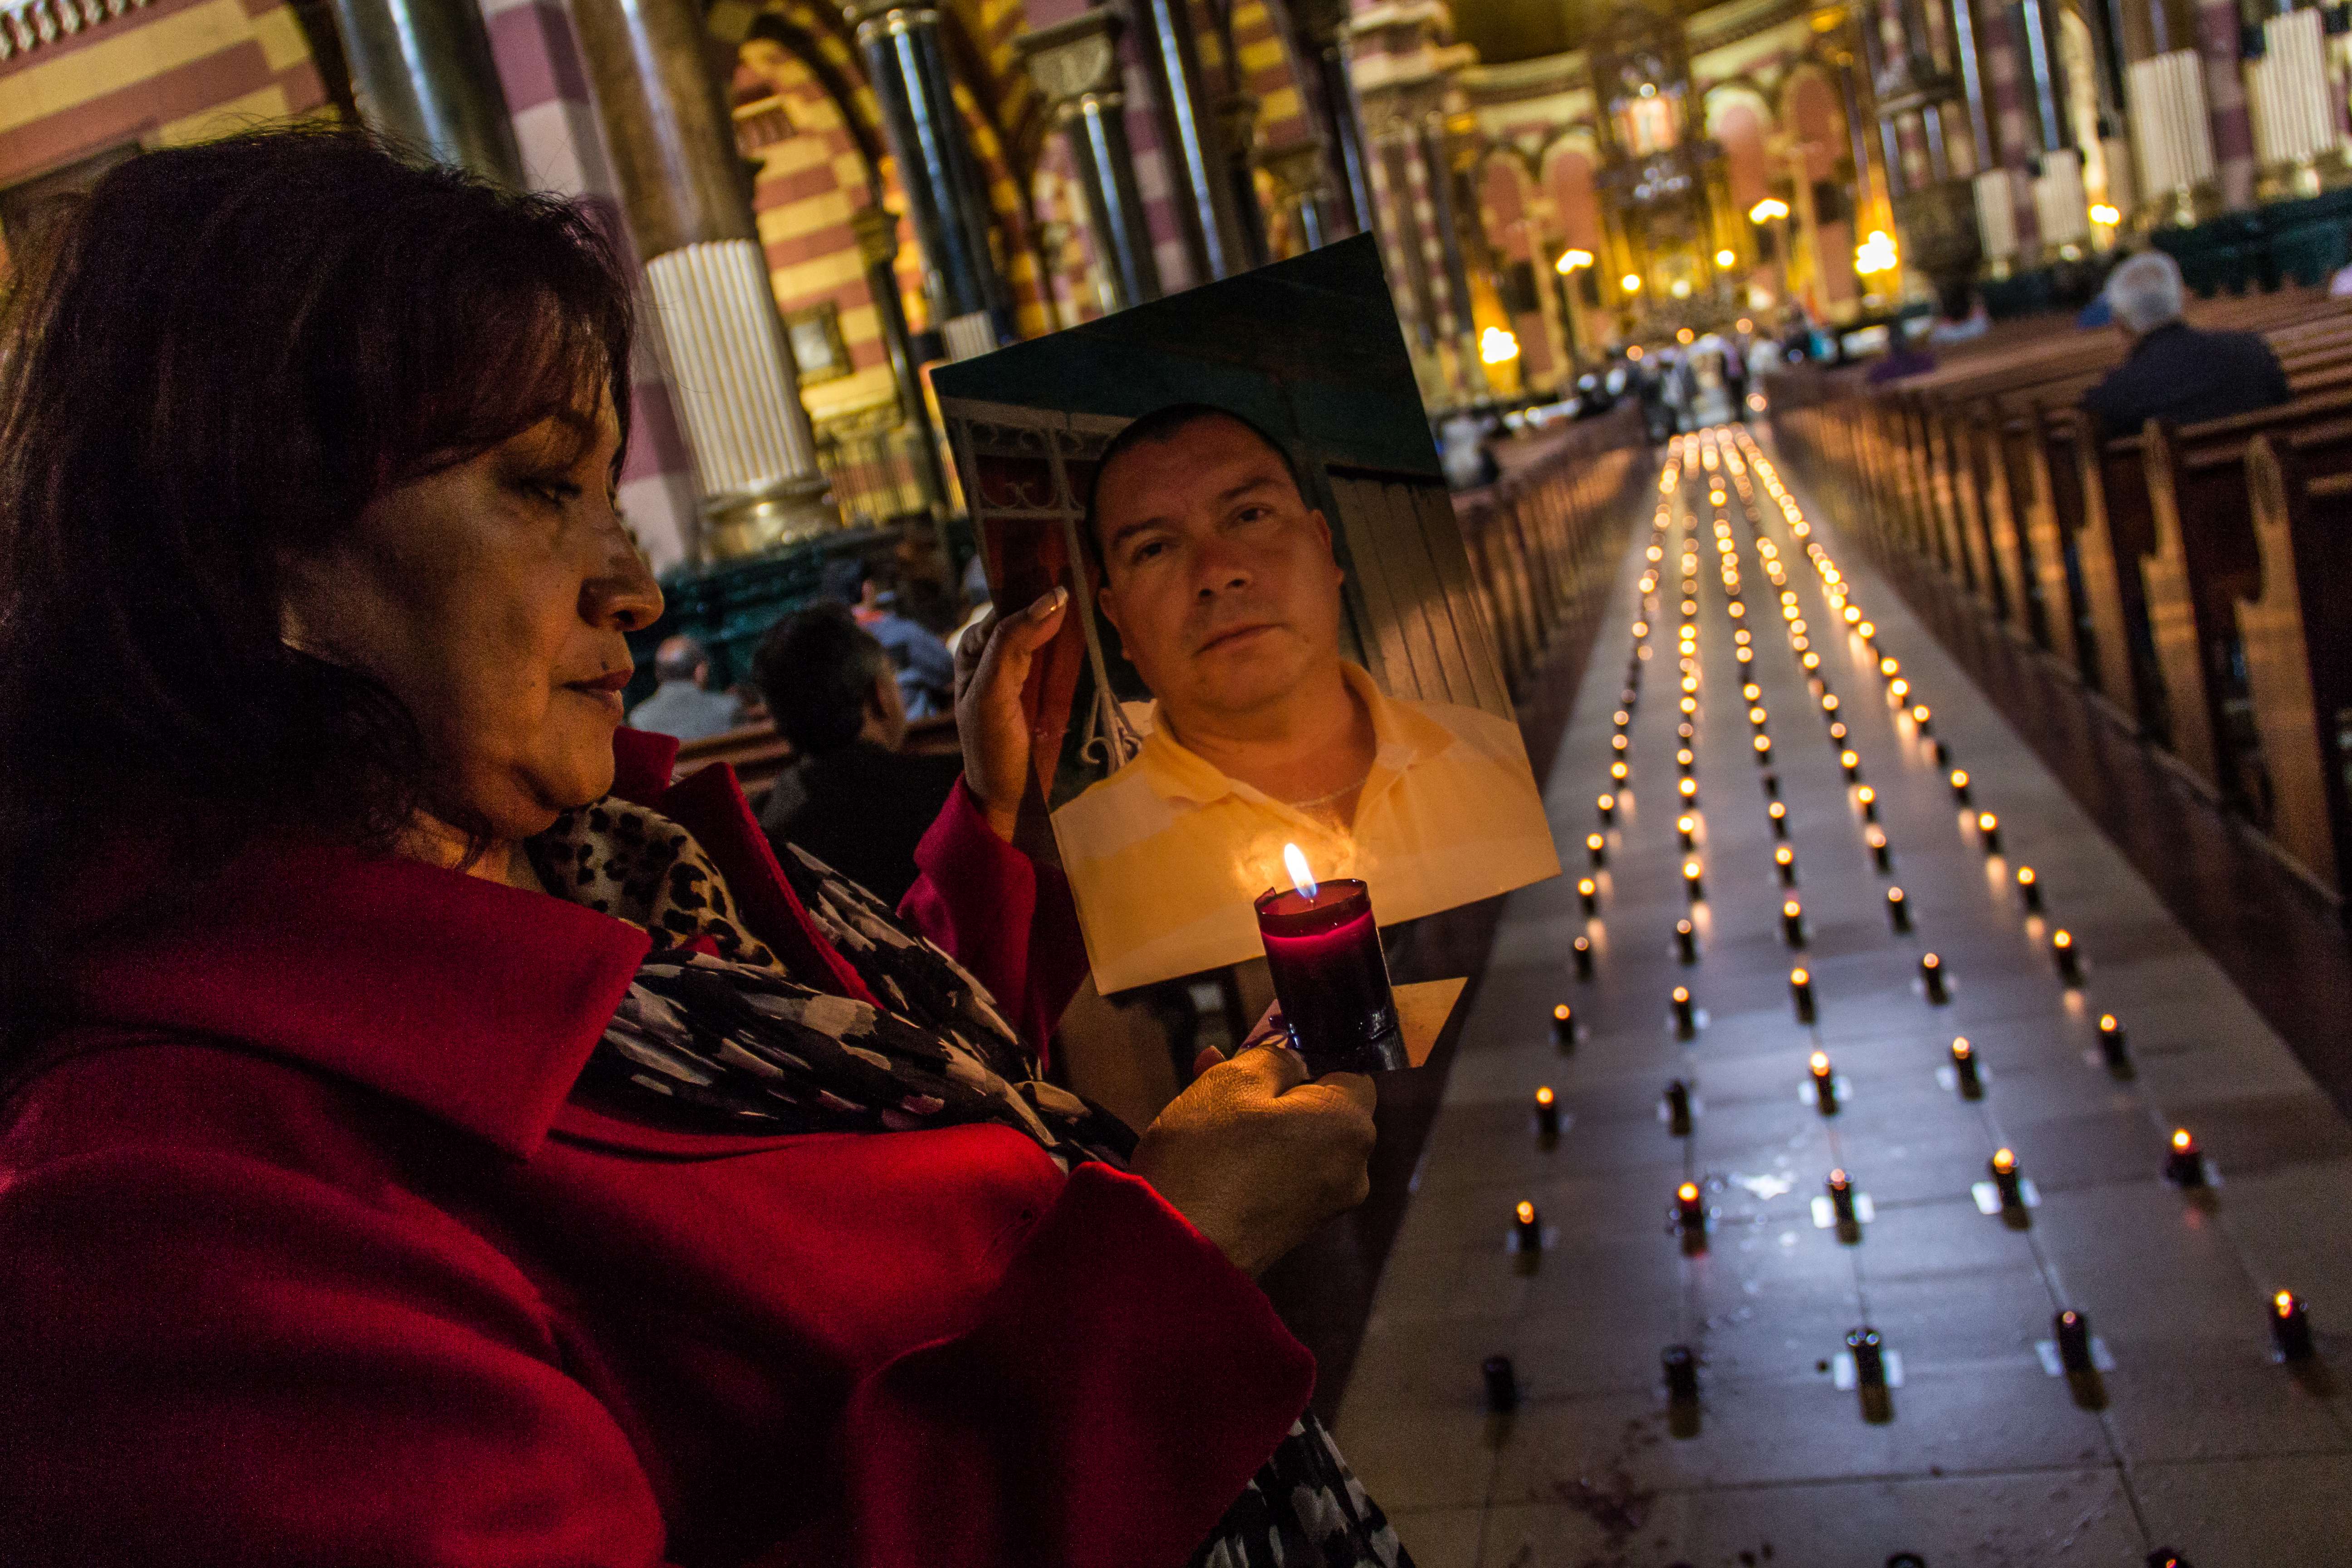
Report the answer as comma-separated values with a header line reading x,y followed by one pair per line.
x,y
2284,1300
1961,1050
1543,1095
2180,1139
1687,1192
1783,854
1838,1179
1931,962
1799,977
1959,778
2004,1161
2108,1025
1563,1012
1894,895
2063,940
1526,1212
1792,908
1987,822
1819,1062
2025,876
1300,877
1682,995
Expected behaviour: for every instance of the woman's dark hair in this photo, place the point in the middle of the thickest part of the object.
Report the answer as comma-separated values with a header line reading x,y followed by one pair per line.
x,y
215,358
817,669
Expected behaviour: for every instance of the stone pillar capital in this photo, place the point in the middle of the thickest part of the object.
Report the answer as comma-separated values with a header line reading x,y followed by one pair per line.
x,y
1073,59
877,228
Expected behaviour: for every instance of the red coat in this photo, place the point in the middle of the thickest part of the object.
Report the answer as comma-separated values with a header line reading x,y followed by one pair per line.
x,y
305,1257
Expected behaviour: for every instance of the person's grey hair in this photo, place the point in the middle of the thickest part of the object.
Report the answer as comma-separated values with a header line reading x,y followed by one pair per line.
x,y
677,659
2143,292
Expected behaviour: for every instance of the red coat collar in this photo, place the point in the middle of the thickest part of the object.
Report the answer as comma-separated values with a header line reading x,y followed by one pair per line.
x,y
476,1001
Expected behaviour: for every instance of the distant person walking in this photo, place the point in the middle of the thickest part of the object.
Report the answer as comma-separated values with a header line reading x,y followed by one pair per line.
x,y
2174,371
682,705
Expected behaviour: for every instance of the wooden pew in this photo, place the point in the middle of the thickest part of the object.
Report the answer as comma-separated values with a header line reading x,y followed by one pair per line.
x,y
2205,559
2297,631
759,754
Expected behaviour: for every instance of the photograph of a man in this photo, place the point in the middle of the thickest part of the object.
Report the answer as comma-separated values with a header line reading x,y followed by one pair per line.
x,y
1225,589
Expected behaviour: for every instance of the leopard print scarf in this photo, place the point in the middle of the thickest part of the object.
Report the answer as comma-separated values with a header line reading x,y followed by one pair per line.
x,y
719,1033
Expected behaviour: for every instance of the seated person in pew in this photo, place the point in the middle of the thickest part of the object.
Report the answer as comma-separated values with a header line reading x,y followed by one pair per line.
x,y
683,706
2174,371
851,798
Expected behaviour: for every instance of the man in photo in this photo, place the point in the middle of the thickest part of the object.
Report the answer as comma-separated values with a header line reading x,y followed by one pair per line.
x,y
1222,584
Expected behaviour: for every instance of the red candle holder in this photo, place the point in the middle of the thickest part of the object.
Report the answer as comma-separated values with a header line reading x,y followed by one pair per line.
x,y
1331,976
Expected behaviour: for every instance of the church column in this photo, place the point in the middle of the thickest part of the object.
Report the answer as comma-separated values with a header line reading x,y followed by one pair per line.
x,y
1445,214
1306,197
876,227
947,194
682,185
2218,34
1075,64
2014,138
422,72
1191,139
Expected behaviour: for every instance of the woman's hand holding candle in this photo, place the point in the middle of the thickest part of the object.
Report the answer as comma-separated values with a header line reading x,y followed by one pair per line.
x,y
1256,1155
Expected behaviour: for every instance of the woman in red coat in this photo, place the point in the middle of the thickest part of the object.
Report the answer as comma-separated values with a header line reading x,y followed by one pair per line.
x,y
429,1137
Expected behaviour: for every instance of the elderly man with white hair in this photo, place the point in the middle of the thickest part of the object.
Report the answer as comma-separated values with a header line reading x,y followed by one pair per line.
x,y
2174,371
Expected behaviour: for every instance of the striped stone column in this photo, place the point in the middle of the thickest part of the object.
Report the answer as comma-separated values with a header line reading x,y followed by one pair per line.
x,y
2014,139
560,150
2225,103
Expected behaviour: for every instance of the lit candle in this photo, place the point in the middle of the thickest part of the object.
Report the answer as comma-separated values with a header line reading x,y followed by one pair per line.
x,y
1608,804
1868,799
2003,1167
1689,790
1830,705
1824,1081
1323,951
1786,859
1686,941
1678,1109
2290,1328
1583,949
1792,923
1620,742
1961,785
1547,1115
1869,1357
1811,661
1684,825
1690,1210
1685,1021
1619,772
1527,1227
1919,718
1589,891
1756,717
1685,731
1563,1026
1680,1365
1780,815
2029,887
2184,1163
1888,667
1688,704
1988,830
1880,854
1898,911
1596,849
1693,881
1838,733
1840,1187
1627,696
2113,1049
1683,760
1931,975
1965,1068
1763,750
1898,688
2074,1331
1800,991
2069,960
1851,762
1502,1386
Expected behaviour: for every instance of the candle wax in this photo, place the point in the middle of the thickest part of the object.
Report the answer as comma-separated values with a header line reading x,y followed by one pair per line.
x,y
1332,977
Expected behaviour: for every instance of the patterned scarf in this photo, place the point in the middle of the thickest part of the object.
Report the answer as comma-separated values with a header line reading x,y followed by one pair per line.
x,y
717,1033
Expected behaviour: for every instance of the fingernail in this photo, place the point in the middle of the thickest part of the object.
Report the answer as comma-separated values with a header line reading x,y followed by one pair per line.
x,y
1051,602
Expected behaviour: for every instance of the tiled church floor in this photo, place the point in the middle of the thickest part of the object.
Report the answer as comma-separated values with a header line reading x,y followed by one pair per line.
x,y
2200,1442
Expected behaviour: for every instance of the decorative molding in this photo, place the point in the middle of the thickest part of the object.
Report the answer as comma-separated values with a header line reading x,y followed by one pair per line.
x,y
27,25
1074,57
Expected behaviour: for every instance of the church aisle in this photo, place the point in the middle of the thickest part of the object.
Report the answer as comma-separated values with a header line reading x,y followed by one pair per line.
x,y
2184,1431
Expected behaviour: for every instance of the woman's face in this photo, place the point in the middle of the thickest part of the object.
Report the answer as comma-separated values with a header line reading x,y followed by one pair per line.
x,y
491,597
